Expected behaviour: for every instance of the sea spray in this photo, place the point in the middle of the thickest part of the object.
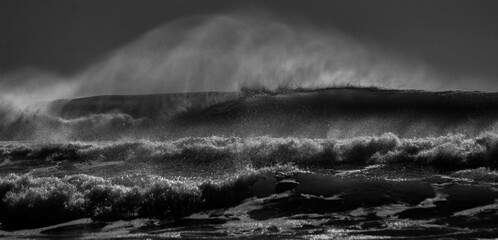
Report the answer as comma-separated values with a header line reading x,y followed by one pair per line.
x,y
450,152
29,201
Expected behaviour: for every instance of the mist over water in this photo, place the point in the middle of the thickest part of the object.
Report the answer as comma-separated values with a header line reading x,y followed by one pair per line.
x,y
224,53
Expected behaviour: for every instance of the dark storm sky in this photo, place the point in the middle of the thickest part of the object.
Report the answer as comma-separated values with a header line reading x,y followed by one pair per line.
x,y
456,37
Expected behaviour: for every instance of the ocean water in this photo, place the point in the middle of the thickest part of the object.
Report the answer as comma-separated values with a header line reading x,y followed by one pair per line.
x,y
333,163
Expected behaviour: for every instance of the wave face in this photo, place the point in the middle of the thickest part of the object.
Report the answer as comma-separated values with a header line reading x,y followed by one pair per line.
x,y
337,163
332,113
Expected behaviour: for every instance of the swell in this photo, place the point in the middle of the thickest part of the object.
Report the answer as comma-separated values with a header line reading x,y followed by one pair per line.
x,y
346,113
445,153
323,113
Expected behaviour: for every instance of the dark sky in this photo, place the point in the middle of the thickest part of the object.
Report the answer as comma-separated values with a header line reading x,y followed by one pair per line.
x,y
456,37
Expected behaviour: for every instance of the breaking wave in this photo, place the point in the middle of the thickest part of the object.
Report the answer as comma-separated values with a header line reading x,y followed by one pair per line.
x,y
285,191
28,200
313,174
323,113
450,152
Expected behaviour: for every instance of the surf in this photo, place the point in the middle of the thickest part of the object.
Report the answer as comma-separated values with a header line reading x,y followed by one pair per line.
x,y
321,113
302,160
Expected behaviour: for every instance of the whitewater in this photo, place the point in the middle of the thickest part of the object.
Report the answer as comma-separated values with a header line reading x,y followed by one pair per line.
x,y
288,163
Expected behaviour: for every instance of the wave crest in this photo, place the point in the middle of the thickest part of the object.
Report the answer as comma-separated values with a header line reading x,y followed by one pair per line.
x,y
28,200
450,152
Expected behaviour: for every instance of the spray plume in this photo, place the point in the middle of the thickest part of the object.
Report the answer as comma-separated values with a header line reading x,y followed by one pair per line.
x,y
224,53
